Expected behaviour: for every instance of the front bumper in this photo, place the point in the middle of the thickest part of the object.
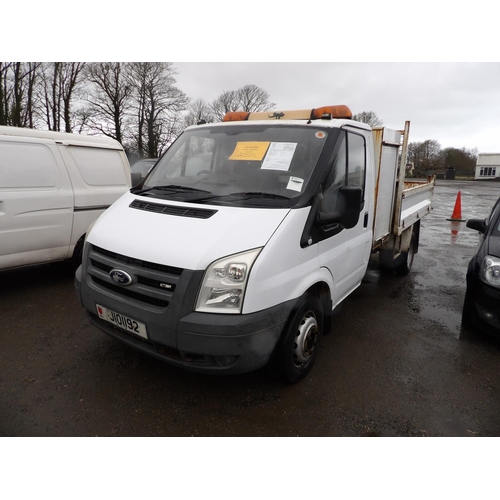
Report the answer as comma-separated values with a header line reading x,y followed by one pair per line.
x,y
200,342
482,305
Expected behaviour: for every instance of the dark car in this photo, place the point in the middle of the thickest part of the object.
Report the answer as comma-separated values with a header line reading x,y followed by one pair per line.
x,y
482,297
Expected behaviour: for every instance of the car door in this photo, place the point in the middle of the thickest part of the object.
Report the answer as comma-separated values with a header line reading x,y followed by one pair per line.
x,y
345,252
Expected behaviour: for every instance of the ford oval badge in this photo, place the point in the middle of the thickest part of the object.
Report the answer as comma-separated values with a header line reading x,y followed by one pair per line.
x,y
120,277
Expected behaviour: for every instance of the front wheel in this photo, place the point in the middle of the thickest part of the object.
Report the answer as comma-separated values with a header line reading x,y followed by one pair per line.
x,y
298,347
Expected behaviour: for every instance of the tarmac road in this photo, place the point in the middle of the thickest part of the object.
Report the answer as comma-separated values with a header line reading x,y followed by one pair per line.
x,y
397,362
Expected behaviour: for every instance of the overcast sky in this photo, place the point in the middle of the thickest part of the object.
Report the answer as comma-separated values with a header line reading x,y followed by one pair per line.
x,y
456,104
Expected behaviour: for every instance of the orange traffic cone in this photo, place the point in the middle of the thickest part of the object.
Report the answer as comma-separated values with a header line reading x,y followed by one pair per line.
x,y
457,211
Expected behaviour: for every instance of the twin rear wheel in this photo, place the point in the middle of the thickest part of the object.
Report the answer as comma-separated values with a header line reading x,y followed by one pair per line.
x,y
403,263
298,347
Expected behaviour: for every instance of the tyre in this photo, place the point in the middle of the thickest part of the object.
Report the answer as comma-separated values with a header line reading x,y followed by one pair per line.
x,y
298,347
405,260
386,261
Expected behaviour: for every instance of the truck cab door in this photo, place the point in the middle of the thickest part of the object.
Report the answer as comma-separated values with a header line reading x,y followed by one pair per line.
x,y
345,252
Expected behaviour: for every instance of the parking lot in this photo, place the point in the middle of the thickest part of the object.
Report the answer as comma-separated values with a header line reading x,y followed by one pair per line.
x,y
397,363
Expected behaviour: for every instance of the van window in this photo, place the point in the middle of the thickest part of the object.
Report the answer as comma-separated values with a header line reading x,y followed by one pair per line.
x,y
349,164
99,167
193,157
25,165
356,165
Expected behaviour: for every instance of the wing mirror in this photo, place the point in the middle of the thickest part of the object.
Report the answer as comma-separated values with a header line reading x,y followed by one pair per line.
x,y
477,224
341,205
136,178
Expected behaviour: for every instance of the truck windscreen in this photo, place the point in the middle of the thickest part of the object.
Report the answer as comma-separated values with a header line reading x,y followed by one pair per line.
x,y
238,164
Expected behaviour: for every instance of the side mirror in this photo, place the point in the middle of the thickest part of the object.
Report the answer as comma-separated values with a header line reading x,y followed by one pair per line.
x,y
136,178
342,205
477,224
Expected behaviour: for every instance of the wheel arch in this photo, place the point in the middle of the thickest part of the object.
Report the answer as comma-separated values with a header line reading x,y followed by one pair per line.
x,y
322,290
78,250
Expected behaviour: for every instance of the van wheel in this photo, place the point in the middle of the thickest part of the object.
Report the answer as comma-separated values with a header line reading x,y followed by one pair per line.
x,y
298,347
405,260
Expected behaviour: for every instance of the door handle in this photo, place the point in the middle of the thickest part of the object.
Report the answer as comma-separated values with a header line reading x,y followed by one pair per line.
x,y
365,222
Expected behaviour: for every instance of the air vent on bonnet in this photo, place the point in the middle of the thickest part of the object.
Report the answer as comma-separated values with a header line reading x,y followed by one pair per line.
x,y
158,208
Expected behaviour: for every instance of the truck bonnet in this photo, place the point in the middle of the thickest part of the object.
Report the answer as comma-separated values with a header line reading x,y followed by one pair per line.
x,y
184,235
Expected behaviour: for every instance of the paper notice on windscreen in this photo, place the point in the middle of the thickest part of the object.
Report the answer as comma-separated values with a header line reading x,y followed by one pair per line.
x,y
279,156
295,184
249,151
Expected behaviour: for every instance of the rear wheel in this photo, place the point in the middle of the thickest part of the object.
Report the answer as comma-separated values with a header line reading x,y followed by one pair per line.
x,y
297,349
400,265
404,262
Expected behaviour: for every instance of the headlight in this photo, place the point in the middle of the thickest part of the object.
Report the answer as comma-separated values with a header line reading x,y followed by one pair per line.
x,y
224,283
490,271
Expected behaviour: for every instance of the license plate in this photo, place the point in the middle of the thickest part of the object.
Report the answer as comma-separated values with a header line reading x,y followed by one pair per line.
x,y
121,321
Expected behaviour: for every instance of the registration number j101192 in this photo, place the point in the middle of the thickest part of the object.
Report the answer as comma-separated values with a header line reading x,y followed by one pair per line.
x,y
122,321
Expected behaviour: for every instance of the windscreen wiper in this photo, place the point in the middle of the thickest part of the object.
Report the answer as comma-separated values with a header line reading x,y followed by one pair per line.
x,y
171,187
250,194
260,194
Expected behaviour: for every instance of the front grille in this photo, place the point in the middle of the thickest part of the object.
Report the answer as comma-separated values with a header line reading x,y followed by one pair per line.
x,y
130,293
140,279
153,284
137,262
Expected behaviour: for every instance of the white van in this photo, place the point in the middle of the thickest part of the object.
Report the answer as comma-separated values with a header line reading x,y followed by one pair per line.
x,y
53,185
245,236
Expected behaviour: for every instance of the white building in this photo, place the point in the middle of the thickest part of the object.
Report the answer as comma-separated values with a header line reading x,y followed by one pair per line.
x,y
487,166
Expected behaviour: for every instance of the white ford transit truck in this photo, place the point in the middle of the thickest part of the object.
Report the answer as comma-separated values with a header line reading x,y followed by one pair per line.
x,y
247,234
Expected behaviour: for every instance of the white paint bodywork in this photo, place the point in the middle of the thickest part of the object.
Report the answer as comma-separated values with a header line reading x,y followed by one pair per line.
x,y
183,242
52,187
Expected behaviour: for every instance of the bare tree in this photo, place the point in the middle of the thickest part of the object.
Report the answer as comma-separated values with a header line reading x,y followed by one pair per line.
x,y
368,117
254,99
227,101
249,98
425,155
198,111
17,84
17,95
4,93
32,109
61,81
109,99
157,104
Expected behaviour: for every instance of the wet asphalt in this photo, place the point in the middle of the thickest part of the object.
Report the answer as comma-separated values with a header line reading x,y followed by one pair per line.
x,y
397,362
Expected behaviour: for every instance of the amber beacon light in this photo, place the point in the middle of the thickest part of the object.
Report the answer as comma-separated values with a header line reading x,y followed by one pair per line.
x,y
323,113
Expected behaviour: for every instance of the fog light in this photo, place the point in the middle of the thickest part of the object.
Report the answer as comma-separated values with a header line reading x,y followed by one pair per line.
x,y
488,316
225,361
